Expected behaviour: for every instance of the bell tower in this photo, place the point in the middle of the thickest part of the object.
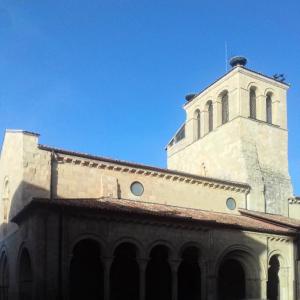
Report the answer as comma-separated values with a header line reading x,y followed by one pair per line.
x,y
236,129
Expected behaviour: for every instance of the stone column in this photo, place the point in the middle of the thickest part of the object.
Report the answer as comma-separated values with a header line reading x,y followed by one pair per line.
x,y
203,282
142,267
210,280
276,113
174,264
212,288
261,108
285,290
107,261
217,113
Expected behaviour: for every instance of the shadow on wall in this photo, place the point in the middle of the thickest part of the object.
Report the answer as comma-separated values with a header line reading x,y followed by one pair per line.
x,y
230,268
22,196
227,267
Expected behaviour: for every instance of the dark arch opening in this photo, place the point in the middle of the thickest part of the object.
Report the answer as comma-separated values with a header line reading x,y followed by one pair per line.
x,y
86,271
124,278
269,108
158,275
252,103
210,116
273,286
189,276
231,281
225,108
3,278
25,276
197,124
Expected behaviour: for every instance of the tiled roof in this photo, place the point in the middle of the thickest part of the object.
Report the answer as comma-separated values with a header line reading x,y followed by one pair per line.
x,y
142,166
277,219
166,213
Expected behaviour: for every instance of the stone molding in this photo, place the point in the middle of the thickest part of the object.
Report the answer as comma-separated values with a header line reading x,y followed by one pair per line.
x,y
159,173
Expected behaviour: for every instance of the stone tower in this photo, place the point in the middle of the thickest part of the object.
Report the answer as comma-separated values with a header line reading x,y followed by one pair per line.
x,y
236,129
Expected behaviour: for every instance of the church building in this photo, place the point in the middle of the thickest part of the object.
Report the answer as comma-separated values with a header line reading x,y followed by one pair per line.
x,y
221,222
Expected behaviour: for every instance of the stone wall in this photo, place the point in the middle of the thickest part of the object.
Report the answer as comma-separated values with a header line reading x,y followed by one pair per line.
x,y
243,149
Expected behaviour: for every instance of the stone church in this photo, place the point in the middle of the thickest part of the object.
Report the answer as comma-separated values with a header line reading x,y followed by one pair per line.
x,y
221,222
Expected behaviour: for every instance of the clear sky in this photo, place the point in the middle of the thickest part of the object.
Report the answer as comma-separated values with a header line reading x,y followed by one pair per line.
x,y
108,77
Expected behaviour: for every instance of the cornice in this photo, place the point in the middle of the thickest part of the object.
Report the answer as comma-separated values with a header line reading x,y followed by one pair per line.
x,y
295,200
89,161
166,175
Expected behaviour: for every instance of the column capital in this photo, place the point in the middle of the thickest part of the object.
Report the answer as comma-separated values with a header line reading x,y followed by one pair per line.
x,y
107,260
174,264
142,262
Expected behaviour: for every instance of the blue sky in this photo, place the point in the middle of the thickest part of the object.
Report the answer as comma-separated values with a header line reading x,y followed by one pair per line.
x,y
109,77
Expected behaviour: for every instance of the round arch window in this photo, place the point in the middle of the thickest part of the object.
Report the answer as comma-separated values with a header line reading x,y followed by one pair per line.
x,y
137,188
230,203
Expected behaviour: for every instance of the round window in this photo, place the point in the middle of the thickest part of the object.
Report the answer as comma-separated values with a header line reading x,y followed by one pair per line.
x,y
230,203
137,188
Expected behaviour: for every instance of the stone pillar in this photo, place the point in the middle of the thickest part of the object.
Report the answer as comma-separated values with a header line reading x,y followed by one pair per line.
x,y
203,282
211,287
285,290
174,264
107,261
204,122
276,113
217,113
261,107
142,267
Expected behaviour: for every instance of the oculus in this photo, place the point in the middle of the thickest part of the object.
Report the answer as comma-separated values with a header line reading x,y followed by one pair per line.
x,y
137,188
230,203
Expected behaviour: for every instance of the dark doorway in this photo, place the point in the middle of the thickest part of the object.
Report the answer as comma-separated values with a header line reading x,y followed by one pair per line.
x,y
189,276
273,287
125,273
158,275
25,276
86,272
3,278
231,281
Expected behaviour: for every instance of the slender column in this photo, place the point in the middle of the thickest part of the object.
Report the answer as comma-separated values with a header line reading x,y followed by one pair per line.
x,y
210,280
203,282
174,264
142,266
107,261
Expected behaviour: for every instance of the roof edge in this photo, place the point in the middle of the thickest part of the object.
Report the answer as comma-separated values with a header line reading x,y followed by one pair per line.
x,y
145,167
259,216
40,202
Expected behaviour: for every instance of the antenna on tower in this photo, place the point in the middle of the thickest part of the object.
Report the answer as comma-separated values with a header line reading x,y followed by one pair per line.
x,y
226,57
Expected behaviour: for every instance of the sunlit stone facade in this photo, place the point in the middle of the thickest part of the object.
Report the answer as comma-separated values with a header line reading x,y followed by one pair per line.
x,y
219,223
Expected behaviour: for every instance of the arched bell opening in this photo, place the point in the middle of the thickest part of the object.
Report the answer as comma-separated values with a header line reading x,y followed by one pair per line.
x,y
158,275
189,275
125,273
86,271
